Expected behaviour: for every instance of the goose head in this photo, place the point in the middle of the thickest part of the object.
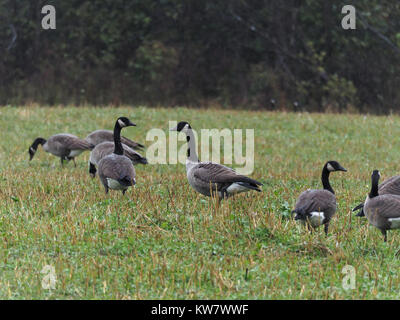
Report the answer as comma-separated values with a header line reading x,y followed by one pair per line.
x,y
376,175
182,126
125,122
332,166
32,149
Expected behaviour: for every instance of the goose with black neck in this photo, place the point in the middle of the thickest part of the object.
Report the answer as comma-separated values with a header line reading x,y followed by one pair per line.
x,y
64,145
382,211
316,207
116,171
210,178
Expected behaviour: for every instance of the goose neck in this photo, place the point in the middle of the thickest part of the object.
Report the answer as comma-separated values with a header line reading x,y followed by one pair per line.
x,y
374,189
325,180
117,139
191,151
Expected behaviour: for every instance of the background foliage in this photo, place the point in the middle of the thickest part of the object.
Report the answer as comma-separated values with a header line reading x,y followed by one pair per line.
x,y
227,53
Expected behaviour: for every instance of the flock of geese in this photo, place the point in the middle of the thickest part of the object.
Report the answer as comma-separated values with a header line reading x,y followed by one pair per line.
x,y
113,157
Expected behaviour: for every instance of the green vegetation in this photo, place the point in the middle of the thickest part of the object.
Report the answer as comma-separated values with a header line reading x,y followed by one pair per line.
x,y
163,240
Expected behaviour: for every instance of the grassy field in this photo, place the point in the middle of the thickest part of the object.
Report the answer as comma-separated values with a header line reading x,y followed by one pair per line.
x,y
163,240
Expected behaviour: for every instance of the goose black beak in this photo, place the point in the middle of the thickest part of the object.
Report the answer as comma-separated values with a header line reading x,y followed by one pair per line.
x,y
360,214
131,124
342,169
360,206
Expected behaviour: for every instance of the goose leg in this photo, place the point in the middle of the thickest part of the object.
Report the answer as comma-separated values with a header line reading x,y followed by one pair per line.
x,y
106,188
73,159
384,235
62,161
123,191
224,193
326,227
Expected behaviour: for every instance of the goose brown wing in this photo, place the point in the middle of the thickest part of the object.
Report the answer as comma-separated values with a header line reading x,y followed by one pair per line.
x,y
390,186
132,144
315,200
133,155
217,173
116,167
72,142
99,136
387,205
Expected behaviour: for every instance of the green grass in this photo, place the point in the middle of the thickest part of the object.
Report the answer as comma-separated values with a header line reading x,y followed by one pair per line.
x,y
163,240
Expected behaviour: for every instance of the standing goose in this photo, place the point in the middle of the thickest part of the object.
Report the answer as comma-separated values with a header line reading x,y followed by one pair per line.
x,y
105,148
389,186
207,176
63,145
382,211
116,171
99,136
317,207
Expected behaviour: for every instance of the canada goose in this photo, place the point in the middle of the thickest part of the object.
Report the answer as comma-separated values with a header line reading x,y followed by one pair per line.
x,y
317,207
207,176
389,186
63,145
99,136
382,211
116,171
105,148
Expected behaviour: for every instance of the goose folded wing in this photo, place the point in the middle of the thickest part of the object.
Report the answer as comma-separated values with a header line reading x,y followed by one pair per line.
x,y
118,170
387,206
390,186
315,201
73,143
219,174
131,144
132,154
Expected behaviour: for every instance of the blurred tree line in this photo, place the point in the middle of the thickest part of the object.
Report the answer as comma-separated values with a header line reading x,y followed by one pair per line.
x,y
272,54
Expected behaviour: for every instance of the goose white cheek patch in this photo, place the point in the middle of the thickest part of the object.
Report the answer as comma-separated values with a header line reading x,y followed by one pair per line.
x,y
121,123
394,223
329,167
316,218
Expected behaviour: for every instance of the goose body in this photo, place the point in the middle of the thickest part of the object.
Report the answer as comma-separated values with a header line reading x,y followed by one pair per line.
x,y
319,205
99,136
382,211
106,148
64,145
208,178
316,207
389,186
116,170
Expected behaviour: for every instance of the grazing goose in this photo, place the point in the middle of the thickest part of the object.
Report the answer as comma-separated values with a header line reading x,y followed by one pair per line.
x,y
105,148
317,207
99,136
63,145
207,176
389,186
382,211
116,171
